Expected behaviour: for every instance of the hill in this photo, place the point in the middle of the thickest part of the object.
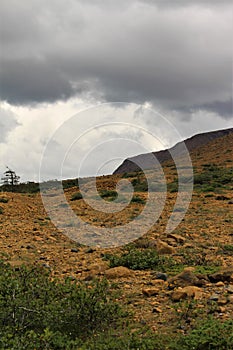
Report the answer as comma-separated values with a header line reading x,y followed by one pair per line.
x,y
196,141
177,285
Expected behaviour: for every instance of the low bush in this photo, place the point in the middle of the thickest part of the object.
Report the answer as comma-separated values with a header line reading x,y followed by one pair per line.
x,y
210,334
137,199
4,200
135,259
39,311
76,196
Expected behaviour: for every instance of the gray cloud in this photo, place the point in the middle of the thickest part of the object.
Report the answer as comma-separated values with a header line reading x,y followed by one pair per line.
x,y
135,51
7,123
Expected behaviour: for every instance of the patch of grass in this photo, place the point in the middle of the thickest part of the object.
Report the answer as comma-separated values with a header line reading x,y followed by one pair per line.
x,y
209,334
137,199
4,200
76,196
109,195
135,259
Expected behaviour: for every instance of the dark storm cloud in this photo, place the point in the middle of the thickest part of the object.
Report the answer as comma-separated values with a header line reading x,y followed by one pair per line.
x,y
172,53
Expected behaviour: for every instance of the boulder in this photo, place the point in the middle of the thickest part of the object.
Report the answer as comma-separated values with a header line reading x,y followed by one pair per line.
x,y
118,272
223,275
164,248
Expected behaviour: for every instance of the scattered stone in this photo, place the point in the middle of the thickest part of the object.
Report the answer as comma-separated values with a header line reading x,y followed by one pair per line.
x,y
214,297
223,275
222,301
89,250
164,248
230,289
46,266
178,238
118,272
160,276
187,292
220,284
222,198
98,268
185,278
74,250
231,201
178,295
157,310
157,282
30,247
149,292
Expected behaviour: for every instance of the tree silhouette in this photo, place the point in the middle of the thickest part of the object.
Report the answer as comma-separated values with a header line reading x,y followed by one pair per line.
x,y
10,178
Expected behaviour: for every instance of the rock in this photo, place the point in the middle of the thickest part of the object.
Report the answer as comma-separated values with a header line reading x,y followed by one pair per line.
x,y
230,289
160,276
98,268
187,292
177,238
222,301
214,297
231,201
74,250
157,310
222,198
158,282
118,272
178,295
185,278
223,275
89,250
164,248
149,292
220,284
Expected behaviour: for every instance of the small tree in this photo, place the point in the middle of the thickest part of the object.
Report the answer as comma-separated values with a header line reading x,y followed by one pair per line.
x,y
10,178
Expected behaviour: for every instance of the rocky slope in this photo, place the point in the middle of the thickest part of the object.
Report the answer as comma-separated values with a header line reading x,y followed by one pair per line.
x,y
196,141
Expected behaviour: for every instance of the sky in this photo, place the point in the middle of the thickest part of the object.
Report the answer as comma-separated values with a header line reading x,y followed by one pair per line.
x,y
83,79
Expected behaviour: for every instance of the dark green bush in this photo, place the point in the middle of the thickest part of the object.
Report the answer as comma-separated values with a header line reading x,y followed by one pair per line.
x,y
135,259
31,305
108,194
76,196
209,334
4,200
137,199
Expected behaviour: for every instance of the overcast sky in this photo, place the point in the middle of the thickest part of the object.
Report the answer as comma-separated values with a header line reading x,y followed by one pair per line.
x,y
59,57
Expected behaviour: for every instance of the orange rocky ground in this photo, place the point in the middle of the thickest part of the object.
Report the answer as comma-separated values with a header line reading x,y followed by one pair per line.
x,y
202,243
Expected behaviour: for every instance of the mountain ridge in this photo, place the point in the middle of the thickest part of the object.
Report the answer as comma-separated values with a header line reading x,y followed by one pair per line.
x,y
191,143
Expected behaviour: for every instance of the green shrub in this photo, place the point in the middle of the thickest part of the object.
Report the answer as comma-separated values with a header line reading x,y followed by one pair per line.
x,y
137,199
76,196
109,195
209,334
1,210
4,200
31,305
135,259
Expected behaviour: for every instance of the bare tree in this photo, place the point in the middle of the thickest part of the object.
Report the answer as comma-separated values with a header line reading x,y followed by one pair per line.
x,y
10,178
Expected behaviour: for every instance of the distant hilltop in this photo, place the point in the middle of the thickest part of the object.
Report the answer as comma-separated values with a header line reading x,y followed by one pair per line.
x,y
196,141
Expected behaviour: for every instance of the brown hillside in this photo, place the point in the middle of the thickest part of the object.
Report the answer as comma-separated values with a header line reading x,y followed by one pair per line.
x,y
202,242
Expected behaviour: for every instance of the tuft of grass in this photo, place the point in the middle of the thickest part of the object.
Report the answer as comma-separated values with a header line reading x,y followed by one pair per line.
x,y
137,199
135,259
4,200
76,196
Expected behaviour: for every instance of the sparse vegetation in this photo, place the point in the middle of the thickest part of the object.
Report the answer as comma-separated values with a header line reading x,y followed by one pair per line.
x,y
76,196
3,200
135,259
